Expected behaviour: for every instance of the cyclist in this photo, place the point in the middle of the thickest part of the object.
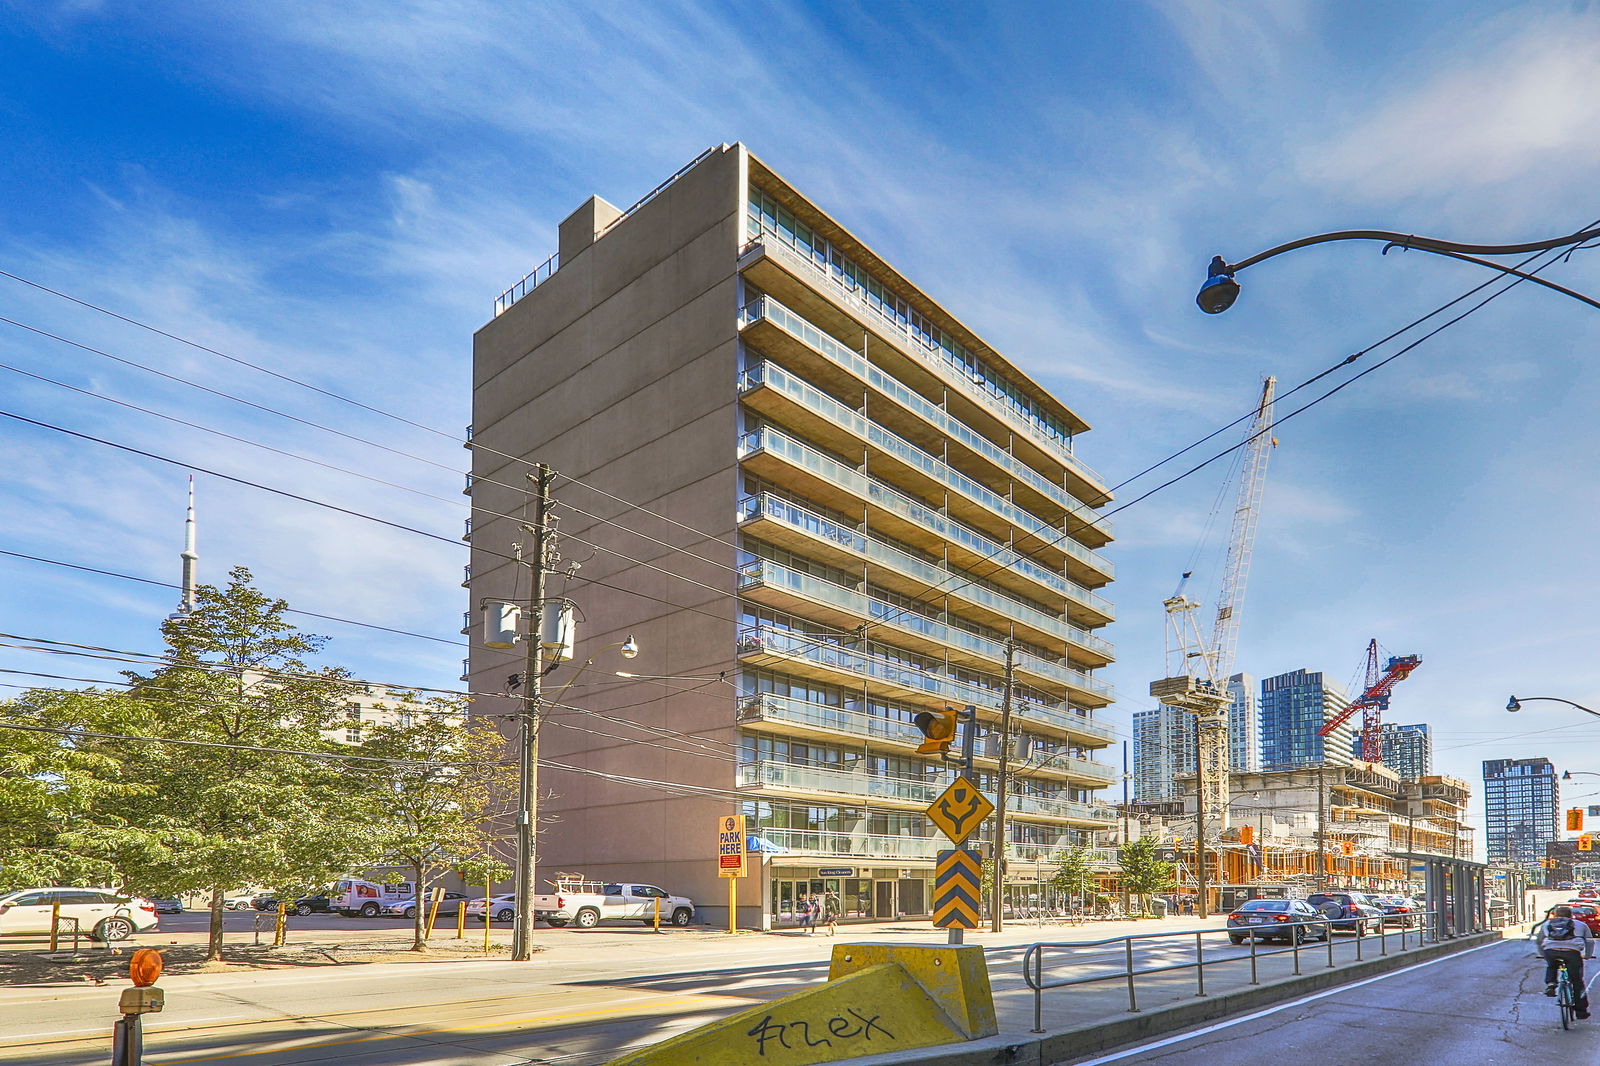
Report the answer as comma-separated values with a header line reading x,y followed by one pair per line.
x,y
1565,941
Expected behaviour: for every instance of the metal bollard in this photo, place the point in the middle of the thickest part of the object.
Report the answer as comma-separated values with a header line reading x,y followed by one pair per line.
x,y
1383,938
1038,988
461,920
1328,939
1361,928
256,926
1254,978
1133,1002
1294,943
1200,964
55,926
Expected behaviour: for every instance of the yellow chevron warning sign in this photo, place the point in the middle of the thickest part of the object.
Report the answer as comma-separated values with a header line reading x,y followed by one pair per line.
x,y
957,882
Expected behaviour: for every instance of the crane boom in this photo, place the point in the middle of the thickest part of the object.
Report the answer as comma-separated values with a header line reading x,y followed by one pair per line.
x,y
1374,700
1198,669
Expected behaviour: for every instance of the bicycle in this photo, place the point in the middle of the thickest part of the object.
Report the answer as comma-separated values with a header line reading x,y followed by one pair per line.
x,y
1566,1002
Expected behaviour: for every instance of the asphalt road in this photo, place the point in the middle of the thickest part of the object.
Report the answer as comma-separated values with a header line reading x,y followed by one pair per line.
x,y
1480,1008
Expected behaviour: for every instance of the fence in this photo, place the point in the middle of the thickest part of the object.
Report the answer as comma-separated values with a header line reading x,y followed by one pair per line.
x,y
1415,926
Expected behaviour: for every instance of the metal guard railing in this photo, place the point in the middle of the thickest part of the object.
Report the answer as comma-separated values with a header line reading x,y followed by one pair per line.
x,y
1419,923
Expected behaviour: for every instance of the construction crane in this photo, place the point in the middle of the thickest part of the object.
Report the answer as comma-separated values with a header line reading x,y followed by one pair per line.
x,y
1198,668
1374,700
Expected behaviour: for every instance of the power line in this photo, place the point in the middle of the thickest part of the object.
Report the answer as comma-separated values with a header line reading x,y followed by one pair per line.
x,y
74,733
290,610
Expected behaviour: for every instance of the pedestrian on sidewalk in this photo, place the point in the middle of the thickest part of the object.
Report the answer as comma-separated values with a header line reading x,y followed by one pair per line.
x,y
830,912
808,913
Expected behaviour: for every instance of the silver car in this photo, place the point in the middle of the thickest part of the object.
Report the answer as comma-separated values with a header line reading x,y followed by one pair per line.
x,y
1276,919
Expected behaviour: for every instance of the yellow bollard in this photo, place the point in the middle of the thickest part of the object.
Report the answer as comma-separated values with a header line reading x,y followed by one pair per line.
x,y
658,914
55,925
433,914
461,920
277,931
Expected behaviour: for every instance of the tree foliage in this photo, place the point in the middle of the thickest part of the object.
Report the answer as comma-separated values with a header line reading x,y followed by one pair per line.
x,y
249,797
432,802
1076,873
1144,872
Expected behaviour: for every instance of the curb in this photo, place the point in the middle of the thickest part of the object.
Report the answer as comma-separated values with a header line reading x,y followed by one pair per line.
x,y
1069,1045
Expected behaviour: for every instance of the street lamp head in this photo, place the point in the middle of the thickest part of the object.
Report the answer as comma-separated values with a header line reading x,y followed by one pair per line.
x,y
629,648
1220,290
1566,775
1513,705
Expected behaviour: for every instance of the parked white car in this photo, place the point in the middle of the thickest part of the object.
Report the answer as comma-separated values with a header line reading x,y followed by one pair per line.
x,y
100,912
501,908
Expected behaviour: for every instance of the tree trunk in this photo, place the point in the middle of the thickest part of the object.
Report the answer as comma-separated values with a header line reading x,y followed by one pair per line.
x,y
214,943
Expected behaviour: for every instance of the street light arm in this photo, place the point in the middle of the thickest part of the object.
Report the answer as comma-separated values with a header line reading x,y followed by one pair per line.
x,y
1421,244
1507,270
1516,702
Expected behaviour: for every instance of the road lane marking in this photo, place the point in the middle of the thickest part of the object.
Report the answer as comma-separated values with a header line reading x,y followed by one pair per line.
x,y
1180,1038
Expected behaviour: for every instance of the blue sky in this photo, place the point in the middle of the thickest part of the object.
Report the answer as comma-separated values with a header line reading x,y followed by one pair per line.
x,y
338,192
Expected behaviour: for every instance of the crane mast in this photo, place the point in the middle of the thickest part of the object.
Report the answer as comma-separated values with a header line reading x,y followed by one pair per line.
x,y
1198,669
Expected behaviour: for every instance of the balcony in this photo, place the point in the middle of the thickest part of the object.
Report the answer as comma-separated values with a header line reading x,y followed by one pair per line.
x,y
800,404
831,663
769,712
777,456
790,590
781,330
769,248
870,846
780,778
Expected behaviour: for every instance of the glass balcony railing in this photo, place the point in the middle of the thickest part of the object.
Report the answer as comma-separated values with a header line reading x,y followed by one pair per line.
x,y
765,308
765,572
851,845
920,792
897,503
771,707
768,706
769,640
906,339
775,377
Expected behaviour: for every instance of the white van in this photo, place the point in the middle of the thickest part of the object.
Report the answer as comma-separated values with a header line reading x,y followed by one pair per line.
x,y
353,896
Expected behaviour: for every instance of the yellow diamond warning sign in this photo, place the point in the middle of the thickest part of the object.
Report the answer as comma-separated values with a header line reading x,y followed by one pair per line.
x,y
959,810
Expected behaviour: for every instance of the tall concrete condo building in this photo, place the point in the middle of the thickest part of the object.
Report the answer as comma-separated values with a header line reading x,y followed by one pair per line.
x,y
1244,724
1522,803
821,504
1293,707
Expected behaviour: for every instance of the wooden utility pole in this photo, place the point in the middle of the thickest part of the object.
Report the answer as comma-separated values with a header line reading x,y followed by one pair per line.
x,y
1200,882
997,897
528,722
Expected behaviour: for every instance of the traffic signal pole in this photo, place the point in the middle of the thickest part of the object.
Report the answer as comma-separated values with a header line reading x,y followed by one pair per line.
x,y
969,736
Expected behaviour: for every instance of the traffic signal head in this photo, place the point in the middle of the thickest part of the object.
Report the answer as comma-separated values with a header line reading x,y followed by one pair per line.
x,y
1586,843
939,727
1574,819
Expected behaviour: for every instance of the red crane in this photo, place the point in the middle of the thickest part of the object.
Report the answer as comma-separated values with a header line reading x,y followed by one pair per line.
x,y
1374,700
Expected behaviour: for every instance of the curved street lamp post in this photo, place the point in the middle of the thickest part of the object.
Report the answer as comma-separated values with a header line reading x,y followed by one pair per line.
x,y
1221,289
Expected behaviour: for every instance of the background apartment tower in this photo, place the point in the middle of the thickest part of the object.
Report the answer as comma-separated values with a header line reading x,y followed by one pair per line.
x,y
1407,749
864,503
1522,802
1164,742
1293,707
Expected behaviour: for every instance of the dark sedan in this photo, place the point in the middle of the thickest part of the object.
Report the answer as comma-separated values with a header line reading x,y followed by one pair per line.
x,y
1348,910
1276,919
303,905
1398,910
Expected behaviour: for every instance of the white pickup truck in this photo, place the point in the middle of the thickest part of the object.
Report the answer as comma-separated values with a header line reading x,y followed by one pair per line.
x,y
588,903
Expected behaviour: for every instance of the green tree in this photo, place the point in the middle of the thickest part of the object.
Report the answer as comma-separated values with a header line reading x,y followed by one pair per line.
x,y
1144,872
428,804
1076,874
251,796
